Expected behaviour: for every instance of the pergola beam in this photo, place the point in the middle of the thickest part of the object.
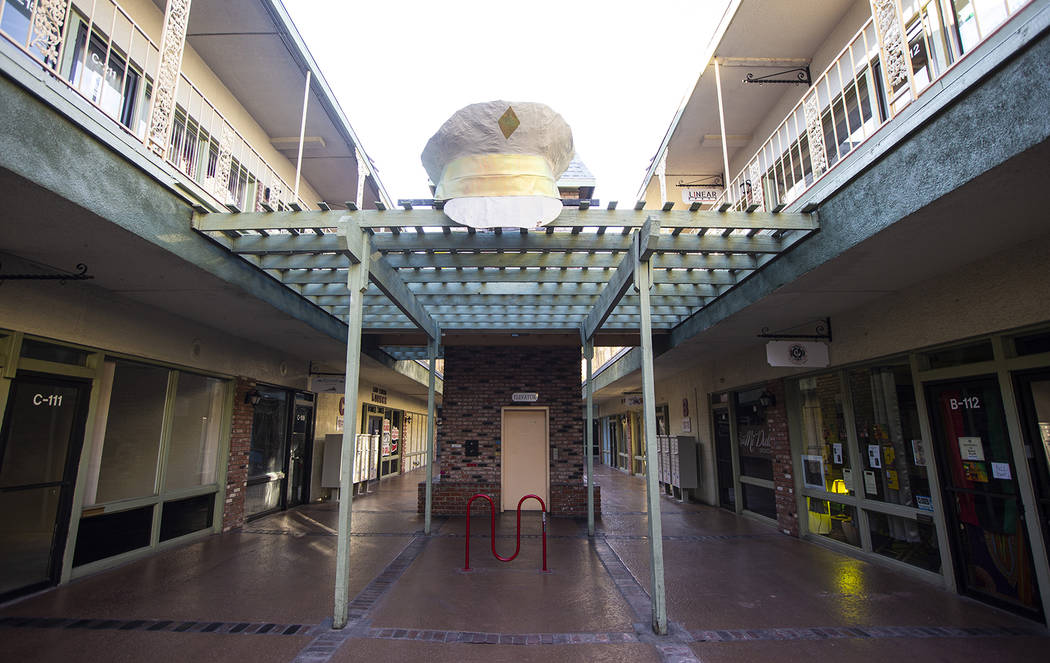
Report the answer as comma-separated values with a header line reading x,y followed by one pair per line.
x,y
569,218
494,275
397,291
617,286
356,244
609,260
259,244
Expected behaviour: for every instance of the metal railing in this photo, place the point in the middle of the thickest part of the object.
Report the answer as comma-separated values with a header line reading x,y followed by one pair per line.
x,y
849,101
96,49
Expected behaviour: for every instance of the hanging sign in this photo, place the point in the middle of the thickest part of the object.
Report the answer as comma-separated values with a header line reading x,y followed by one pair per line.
x,y
807,354
327,384
524,397
705,195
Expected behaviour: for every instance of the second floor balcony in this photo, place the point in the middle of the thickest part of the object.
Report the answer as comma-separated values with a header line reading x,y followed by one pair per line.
x,y
896,50
233,137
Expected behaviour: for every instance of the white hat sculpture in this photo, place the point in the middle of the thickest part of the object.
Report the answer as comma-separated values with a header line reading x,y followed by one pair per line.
x,y
496,164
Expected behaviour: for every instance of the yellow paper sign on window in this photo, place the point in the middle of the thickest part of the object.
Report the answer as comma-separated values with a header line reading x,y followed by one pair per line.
x,y
891,480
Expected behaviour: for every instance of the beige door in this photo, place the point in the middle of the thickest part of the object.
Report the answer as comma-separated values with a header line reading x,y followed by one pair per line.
x,y
525,466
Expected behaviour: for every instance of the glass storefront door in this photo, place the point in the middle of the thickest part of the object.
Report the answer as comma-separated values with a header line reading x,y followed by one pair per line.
x,y
299,452
269,451
1033,395
40,442
724,459
982,499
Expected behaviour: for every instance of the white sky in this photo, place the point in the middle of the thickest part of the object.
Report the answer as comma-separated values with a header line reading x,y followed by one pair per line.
x,y
615,70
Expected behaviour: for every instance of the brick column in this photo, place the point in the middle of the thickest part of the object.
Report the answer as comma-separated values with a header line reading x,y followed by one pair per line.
x,y
783,470
237,465
479,382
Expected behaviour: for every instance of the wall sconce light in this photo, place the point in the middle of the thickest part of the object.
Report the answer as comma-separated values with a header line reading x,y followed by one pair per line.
x,y
252,397
767,399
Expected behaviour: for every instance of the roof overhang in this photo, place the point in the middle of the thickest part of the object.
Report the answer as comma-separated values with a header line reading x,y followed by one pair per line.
x,y
753,37
255,50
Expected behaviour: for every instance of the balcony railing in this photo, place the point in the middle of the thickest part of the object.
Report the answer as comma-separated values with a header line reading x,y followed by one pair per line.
x,y
115,69
849,101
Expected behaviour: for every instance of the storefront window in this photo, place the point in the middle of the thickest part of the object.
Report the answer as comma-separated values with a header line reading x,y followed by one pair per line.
x,y
148,414
833,520
905,539
755,450
195,432
825,450
754,442
759,499
886,420
126,453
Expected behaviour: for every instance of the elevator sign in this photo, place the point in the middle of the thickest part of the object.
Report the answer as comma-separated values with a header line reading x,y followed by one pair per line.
x,y
525,397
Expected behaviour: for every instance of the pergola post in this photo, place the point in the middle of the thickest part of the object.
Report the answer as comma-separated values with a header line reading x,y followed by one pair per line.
x,y
588,436
643,280
432,352
357,283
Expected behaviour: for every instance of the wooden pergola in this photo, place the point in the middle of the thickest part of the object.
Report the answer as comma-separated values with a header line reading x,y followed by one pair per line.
x,y
410,277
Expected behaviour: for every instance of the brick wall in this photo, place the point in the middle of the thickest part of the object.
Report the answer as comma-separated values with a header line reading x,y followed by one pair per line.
x,y
783,472
237,467
478,383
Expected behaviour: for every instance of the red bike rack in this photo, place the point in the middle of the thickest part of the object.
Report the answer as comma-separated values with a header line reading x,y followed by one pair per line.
x,y
492,518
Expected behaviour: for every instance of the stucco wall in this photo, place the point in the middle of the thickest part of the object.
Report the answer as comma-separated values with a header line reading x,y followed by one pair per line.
x,y
78,312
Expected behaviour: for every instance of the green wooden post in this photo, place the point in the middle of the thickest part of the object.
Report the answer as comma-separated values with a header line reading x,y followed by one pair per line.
x,y
357,283
432,351
588,354
643,279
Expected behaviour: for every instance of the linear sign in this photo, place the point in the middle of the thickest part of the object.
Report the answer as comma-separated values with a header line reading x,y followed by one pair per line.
x,y
525,397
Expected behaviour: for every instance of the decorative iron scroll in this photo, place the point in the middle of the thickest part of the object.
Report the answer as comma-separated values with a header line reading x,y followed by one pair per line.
x,y
821,331
891,41
224,163
176,18
47,28
815,133
802,77
80,275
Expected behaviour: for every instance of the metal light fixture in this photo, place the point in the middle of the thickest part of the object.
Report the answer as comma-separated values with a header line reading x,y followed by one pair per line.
x,y
767,399
252,397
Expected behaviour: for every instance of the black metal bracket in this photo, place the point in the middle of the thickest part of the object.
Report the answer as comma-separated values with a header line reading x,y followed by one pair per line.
x,y
702,180
802,77
80,275
821,332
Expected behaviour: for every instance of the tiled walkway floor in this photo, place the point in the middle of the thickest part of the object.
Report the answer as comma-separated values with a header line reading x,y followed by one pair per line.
x,y
737,591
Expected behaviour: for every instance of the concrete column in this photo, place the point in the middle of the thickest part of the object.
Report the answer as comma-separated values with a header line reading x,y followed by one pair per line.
x,y
643,280
432,352
722,125
357,283
302,136
588,435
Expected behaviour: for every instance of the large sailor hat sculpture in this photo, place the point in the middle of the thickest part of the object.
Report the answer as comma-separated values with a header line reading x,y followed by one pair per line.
x,y
496,164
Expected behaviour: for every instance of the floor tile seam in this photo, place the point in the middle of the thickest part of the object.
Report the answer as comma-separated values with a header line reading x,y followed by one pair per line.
x,y
673,648
865,632
219,627
285,532
626,584
329,641
484,637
